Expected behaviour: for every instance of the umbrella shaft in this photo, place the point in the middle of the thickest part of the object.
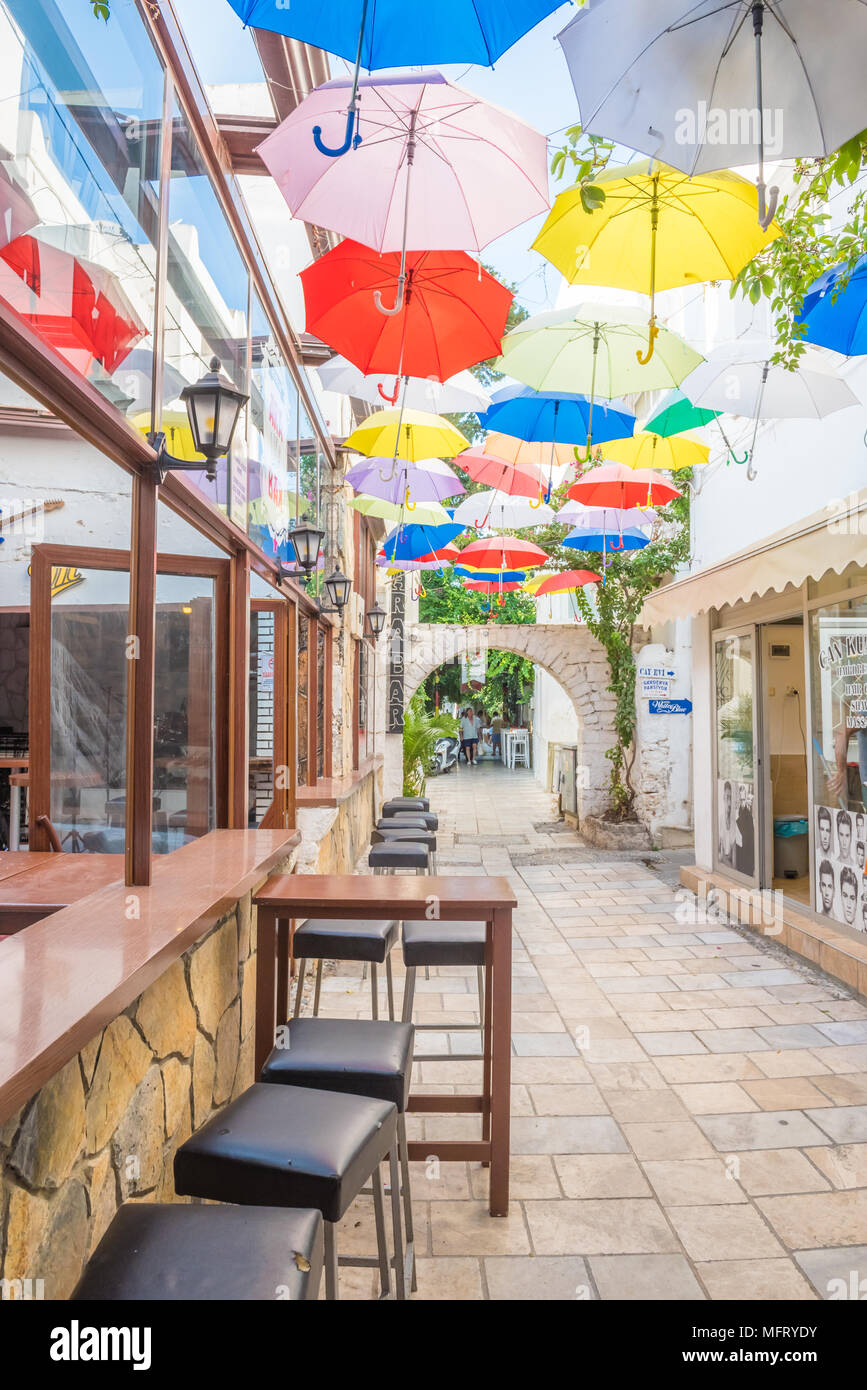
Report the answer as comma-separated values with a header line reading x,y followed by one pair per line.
x,y
758,25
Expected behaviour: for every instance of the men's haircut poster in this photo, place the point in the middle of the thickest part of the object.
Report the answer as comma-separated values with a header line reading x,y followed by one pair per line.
x,y
736,825
841,891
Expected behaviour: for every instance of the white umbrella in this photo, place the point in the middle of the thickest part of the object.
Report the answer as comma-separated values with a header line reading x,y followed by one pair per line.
x,y
500,511
605,518
719,82
741,379
460,393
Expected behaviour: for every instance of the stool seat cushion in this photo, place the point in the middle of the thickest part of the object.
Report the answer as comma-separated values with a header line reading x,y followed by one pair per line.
x,y
287,1146
405,803
444,943
398,854
426,818
413,822
404,834
174,1253
357,1056
352,940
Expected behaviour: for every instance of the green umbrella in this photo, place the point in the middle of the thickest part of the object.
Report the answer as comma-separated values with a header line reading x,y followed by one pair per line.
x,y
676,414
596,349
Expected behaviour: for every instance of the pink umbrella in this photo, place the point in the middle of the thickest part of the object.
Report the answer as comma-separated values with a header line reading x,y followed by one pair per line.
x,y
476,171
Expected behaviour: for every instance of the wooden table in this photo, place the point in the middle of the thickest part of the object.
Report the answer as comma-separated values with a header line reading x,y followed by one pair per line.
x,y
32,890
414,898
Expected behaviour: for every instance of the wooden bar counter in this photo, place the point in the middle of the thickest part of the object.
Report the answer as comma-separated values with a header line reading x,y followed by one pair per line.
x,y
416,898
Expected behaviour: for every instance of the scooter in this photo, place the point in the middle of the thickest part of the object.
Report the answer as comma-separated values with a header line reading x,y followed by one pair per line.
x,y
445,755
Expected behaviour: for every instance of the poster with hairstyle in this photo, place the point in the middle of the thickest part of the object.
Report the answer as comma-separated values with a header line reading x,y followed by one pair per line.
x,y
840,864
736,832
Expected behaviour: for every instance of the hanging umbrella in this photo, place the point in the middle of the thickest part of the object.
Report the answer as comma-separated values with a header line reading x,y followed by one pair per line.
x,y
834,311
410,434
656,230
492,586
604,518
135,377
609,542
675,414
175,426
705,85
566,582
742,379
454,314
428,481
423,513
446,555
411,542
615,485
525,454
500,511
492,576
436,167
561,417
645,450
17,213
461,393
484,467
593,347
502,553
397,34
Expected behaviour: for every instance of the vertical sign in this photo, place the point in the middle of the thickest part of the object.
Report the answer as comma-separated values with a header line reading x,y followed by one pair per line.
x,y
396,655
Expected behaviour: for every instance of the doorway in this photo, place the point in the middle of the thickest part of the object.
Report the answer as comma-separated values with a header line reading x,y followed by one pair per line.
x,y
784,722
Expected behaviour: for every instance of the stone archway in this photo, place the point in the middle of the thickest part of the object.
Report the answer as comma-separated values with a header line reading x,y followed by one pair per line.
x,y
568,653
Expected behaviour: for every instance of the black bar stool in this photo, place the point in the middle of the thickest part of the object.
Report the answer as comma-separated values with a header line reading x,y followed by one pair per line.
x,y
444,943
287,1146
359,1058
425,819
405,803
395,855
391,834
324,939
169,1252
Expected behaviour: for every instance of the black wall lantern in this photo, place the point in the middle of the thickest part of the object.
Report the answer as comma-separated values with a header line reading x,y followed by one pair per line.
x,y
213,407
376,619
338,588
306,540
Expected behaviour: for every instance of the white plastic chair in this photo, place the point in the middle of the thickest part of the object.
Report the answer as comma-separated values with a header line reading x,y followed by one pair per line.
x,y
520,748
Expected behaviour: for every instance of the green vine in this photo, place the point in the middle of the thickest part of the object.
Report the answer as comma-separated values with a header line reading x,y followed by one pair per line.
x,y
101,9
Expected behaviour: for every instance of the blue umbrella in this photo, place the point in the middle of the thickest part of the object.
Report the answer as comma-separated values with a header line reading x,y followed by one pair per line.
x,y
411,542
628,539
492,576
563,419
837,318
398,33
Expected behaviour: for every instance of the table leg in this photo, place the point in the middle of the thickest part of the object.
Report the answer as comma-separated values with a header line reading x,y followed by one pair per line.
x,y
488,1018
266,975
501,1046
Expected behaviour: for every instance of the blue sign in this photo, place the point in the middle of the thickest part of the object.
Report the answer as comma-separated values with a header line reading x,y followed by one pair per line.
x,y
671,706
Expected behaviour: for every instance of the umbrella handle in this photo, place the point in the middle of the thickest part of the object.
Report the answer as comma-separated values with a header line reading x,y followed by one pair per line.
x,y
644,357
348,141
392,399
410,506
767,208
734,458
582,458
398,303
537,504
617,547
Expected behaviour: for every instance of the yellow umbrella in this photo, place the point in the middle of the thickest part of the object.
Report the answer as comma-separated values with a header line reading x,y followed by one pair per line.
x,y
521,454
423,513
653,451
656,229
176,428
407,434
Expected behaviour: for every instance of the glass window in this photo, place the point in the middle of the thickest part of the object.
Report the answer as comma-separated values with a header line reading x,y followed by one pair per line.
x,y
838,660
80,136
261,706
207,295
302,701
734,675
321,699
853,577
271,476
363,693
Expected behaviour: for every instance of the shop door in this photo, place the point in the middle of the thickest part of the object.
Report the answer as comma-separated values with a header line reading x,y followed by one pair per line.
x,y
737,764
271,706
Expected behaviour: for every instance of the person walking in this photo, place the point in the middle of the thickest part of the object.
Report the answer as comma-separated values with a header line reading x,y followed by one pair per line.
x,y
497,736
469,735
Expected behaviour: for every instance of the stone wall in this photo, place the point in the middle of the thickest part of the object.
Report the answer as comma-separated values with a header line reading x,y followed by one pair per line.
x,y
334,838
104,1130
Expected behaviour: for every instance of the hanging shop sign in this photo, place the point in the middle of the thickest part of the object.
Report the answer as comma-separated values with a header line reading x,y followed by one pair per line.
x,y
671,707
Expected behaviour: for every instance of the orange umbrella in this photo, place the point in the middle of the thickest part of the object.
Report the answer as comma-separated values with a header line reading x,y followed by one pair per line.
x,y
505,553
492,586
564,583
615,485
484,467
522,454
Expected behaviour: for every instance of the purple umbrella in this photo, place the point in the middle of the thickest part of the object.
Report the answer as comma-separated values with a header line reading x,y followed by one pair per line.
x,y
427,481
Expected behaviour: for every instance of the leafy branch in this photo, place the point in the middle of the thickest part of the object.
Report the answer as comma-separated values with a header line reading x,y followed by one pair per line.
x,y
583,156
101,9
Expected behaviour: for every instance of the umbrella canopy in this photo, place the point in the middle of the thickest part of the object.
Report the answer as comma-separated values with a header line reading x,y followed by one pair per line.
x,y
175,425
460,393
566,582
411,542
438,560
675,413
492,586
645,450
835,310
17,213
657,229
500,511
615,485
435,167
502,476
562,417
703,85
492,576
502,553
454,313
412,435
428,481
604,518
401,33
610,543
420,513
526,454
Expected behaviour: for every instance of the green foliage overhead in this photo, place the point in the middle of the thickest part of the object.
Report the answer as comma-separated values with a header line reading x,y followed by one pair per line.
x,y
101,9
508,685
445,600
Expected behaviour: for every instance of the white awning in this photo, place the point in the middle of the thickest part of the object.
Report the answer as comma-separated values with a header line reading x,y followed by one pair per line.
x,y
831,539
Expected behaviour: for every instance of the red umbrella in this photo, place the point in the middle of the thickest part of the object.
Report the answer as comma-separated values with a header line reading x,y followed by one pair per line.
x,y
504,477
615,485
454,312
503,553
491,586
564,582
77,307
